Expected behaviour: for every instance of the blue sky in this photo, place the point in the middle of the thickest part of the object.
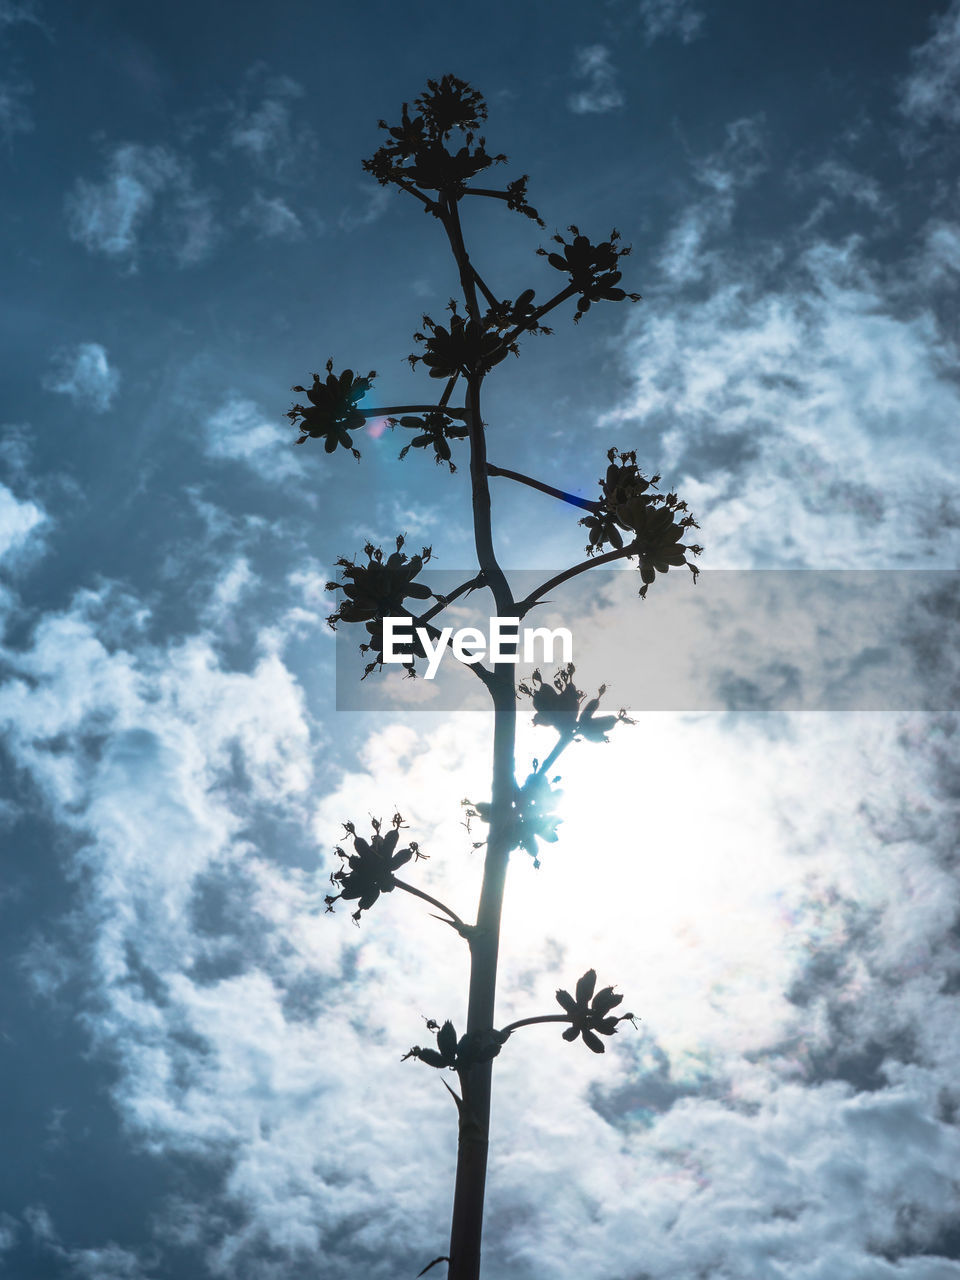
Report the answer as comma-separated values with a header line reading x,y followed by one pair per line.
x,y
200,1071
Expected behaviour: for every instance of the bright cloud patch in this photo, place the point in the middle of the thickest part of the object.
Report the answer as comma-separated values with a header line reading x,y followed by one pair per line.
x,y
239,432
84,373
17,521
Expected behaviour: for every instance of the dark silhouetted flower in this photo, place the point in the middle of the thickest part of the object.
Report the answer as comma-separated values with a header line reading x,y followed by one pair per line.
x,y
655,522
419,155
558,705
464,349
591,1016
416,154
471,1050
368,871
377,589
332,412
592,268
531,817
436,430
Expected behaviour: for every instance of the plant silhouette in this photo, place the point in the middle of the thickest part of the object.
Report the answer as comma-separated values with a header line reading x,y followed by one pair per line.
x,y
434,155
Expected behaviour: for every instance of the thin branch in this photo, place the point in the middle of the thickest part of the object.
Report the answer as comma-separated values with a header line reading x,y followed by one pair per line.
x,y
559,747
539,312
523,606
432,205
483,288
585,504
486,191
479,670
442,601
390,411
529,1022
434,902
447,390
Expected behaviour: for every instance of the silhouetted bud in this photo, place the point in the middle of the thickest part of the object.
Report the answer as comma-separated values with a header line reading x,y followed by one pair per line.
x,y
558,705
588,1017
655,522
436,430
368,871
592,268
332,412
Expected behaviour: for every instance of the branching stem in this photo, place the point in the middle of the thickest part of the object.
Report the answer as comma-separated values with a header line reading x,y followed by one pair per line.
x,y
391,410
525,605
434,902
529,1022
584,504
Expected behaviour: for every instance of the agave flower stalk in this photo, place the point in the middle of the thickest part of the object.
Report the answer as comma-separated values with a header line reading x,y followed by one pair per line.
x,y
434,154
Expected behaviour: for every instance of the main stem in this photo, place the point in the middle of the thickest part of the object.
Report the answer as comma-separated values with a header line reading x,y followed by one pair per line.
x,y
467,1224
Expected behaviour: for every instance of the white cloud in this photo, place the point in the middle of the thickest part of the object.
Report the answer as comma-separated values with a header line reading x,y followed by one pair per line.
x,y
802,391
84,373
375,203
601,92
264,127
18,522
142,182
932,90
239,432
728,171
739,1156
670,17
272,218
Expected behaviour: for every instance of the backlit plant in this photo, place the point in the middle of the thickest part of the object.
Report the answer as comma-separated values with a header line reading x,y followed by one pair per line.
x,y
435,154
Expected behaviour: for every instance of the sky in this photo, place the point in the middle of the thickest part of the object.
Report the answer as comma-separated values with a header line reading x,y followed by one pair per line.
x,y
200,1069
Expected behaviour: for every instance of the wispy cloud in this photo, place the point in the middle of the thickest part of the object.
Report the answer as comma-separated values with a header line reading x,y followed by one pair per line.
x,y
264,126
142,184
373,205
239,432
601,92
84,373
272,218
15,89
810,389
19,522
932,90
685,256
660,18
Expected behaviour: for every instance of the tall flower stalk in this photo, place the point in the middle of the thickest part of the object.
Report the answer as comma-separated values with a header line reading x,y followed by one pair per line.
x,y
435,154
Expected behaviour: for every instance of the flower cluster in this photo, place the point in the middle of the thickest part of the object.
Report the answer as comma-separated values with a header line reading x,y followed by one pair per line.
x,y
518,314
471,1050
368,871
377,590
532,814
587,1017
557,705
656,522
466,348
592,268
416,156
435,430
332,412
